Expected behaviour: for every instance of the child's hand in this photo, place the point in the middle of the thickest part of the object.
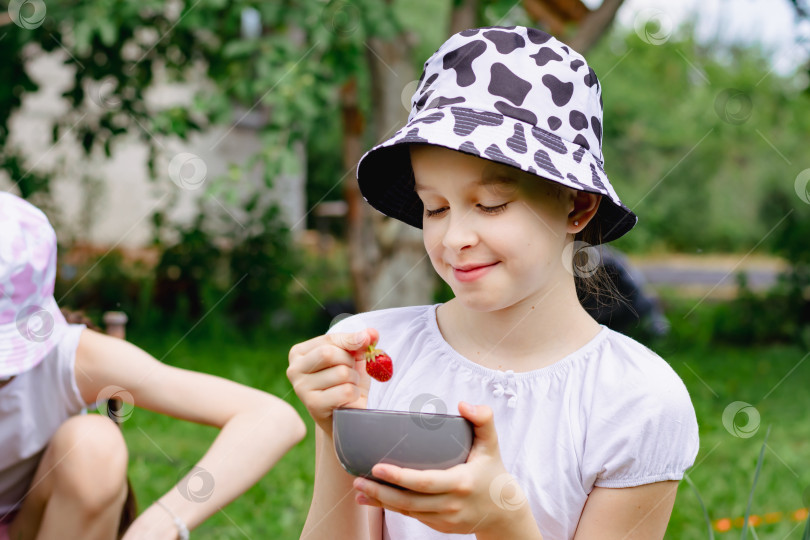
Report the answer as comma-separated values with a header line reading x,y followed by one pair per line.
x,y
329,371
474,497
153,524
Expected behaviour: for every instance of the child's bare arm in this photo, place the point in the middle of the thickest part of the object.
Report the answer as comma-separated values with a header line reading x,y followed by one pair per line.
x,y
632,513
334,513
325,373
257,429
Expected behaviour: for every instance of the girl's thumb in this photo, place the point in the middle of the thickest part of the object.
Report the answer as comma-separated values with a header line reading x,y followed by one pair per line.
x,y
483,422
357,339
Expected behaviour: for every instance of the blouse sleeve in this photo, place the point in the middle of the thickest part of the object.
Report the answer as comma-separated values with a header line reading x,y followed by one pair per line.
x,y
641,427
69,389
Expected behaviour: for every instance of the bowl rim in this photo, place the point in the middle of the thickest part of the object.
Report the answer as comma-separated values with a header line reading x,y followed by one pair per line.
x,y
397,413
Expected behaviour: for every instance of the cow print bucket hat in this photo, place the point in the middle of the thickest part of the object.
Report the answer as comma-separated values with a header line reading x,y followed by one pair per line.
x,y
512,95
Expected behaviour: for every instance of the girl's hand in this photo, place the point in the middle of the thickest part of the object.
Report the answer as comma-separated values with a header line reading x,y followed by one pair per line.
x,y
153,524
479,496
329,371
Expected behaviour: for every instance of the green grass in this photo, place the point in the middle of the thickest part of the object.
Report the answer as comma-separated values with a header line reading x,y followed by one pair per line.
x,y
162,449
725,465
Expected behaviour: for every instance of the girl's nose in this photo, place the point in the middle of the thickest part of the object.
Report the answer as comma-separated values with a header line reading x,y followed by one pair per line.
x,y
461,231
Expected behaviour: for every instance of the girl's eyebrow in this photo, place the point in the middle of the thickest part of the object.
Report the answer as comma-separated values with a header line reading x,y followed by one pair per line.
x,y
488,181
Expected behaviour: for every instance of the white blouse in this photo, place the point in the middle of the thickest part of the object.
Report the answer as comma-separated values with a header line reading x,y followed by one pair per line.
x,y
612,414
32,407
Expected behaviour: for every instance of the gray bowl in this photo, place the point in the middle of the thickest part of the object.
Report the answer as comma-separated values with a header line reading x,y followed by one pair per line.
x,y
365,437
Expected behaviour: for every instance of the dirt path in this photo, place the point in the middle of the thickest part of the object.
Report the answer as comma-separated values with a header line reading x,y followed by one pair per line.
x,y
711,272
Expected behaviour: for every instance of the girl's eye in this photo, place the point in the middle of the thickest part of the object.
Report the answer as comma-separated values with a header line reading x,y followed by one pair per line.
x,y
493,209
431,213
486,209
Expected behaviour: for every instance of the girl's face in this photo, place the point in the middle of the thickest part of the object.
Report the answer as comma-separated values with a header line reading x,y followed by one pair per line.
x,y
494,233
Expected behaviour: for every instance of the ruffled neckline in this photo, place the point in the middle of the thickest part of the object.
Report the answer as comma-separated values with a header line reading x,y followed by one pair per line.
x,y
439,344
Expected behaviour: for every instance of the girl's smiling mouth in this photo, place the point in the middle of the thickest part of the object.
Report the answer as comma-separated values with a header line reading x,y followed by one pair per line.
x,y
471,272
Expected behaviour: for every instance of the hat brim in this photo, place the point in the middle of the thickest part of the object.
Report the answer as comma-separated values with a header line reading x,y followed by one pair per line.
x,y
385,175
27,340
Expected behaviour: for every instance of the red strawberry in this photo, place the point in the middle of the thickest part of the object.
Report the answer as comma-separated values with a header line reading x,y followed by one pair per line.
x,y
378,364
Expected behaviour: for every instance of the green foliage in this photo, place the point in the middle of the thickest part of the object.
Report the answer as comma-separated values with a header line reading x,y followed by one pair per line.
x,y
699,140
105,282
325,167
769,377
246,266
322,280
262,264
696,138
779,314
304,50
288,73
190,278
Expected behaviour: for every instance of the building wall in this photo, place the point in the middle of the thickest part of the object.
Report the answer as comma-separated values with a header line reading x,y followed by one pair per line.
x,y
109,201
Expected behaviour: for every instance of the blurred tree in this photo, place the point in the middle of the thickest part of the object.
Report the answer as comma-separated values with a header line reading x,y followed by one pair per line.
x,y
275,65
387,259
802,9
295,62
573,22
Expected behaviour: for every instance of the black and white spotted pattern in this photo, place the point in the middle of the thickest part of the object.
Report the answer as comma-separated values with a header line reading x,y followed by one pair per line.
x,y
513,95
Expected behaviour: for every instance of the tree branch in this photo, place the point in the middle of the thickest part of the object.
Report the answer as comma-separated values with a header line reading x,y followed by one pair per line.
x,y
594,26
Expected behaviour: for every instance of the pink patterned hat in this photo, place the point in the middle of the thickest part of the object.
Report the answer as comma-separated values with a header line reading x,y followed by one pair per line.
x,y
30,321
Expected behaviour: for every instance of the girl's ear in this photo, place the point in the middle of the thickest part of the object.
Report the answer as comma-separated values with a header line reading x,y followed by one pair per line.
x,y
585,207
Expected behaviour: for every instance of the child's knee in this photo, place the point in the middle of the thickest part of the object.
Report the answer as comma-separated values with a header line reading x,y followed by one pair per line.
x,y
91,457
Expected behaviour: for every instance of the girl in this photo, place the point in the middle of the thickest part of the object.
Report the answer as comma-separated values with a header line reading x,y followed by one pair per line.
x,y
63,473
580,432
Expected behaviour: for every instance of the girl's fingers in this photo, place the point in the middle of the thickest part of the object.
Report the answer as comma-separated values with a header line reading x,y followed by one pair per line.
x,y
324,357
400,501
337,396
330,350
427,482
329,377
348,341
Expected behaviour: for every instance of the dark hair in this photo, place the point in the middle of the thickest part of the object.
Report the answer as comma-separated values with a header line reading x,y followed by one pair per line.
x,y
79,317
594,285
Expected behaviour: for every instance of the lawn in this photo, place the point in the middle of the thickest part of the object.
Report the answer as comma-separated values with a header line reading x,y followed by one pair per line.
x,y
773,379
